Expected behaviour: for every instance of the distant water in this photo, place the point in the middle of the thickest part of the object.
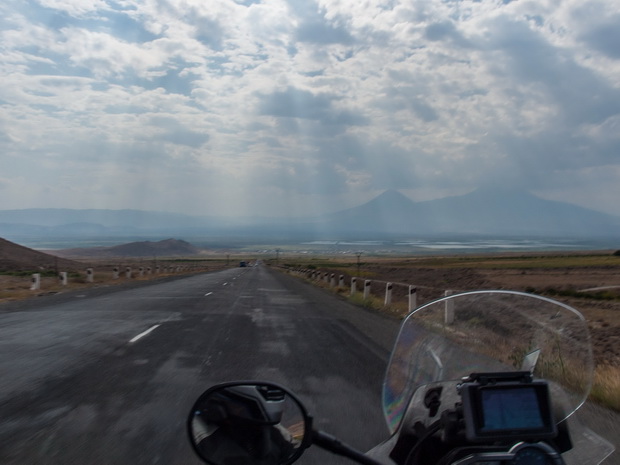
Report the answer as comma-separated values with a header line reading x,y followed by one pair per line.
x,y
423,246
420,246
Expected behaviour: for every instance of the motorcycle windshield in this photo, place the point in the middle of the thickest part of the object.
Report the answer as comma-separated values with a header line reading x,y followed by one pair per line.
x,y
490,331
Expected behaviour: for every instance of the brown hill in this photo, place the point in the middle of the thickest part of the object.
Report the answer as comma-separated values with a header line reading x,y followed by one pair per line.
x,y
165,248
15,257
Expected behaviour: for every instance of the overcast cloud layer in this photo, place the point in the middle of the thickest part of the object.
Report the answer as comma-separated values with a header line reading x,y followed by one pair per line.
x,y
301,106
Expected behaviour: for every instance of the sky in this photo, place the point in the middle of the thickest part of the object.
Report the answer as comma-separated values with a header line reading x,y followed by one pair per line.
x,y
298,107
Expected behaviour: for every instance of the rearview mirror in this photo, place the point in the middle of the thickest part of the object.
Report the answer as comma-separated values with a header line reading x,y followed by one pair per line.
x,y
249,422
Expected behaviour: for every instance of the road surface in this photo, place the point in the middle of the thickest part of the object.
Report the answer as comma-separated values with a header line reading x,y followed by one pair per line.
x,y
108,376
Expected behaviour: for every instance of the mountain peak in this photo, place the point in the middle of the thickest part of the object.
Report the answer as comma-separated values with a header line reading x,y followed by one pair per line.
x,y
391,197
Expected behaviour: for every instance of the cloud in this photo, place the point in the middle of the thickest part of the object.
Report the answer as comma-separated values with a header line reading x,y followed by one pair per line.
x,y
296,103
173,131
445,31
319,32
244,102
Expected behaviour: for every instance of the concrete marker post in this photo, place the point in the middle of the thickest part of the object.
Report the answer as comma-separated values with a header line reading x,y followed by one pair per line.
x,y
388,293
332,280
353,286
62,277
149,270
36,282
367,289
449,309
413,298
128,272
90,276
115,273
326,277
141,271
341,281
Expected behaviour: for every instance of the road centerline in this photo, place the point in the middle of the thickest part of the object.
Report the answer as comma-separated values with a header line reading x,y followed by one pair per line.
x,y
142,334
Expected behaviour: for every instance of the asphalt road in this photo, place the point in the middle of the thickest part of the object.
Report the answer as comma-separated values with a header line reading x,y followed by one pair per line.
x,y
88,377
108,375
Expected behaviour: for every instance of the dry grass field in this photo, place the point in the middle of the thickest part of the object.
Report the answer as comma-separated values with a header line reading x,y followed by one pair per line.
x,y
16,284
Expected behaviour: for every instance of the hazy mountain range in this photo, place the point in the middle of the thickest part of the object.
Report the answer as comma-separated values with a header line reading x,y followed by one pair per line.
x,y
164,248
391,214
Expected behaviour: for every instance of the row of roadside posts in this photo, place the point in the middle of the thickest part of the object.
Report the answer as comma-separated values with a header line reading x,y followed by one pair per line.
x,y
63,276
412,291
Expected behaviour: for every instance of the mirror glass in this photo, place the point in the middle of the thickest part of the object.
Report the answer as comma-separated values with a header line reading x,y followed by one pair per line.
x,y
248,423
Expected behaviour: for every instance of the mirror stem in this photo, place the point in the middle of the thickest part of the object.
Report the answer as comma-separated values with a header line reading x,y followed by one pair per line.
x,y
332,444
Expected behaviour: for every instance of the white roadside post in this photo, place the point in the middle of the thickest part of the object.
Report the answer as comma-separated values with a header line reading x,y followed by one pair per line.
x,y
62,277
341,281
90,276
141,271
367,289
388,293
128,272
149,270
115,273
332,280
326,277
36,282
353,286
449,309
413,298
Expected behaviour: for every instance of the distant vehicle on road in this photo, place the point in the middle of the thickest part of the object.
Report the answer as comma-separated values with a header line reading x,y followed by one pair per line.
x,y
243,264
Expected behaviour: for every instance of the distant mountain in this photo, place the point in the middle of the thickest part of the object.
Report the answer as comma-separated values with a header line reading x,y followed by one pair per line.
x,y
389,213
513,212
109,219
165,248
488,212
59,222
15,257
482,212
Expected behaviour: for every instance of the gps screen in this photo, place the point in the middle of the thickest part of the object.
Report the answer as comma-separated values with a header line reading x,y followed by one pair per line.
x,y
511,408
